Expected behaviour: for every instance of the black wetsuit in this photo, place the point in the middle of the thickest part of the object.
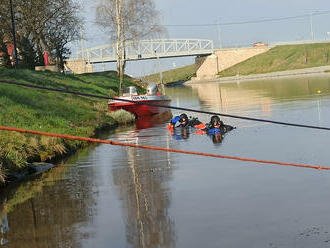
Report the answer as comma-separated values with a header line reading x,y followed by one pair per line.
x,y
222,129
189,123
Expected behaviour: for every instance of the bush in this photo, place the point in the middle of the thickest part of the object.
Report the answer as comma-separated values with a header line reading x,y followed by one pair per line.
x,y
122,116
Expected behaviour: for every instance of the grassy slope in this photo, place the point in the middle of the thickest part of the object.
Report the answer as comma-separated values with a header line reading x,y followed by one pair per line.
x,y
282,58
179,74
49,111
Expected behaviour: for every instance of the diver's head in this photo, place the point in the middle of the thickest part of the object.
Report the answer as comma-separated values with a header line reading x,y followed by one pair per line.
x,y
183,119
215,121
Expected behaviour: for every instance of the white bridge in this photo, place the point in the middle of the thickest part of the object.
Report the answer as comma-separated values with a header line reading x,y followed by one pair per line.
x,y
148,49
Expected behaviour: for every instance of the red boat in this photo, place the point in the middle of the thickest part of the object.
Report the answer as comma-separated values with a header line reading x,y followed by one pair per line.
x,y
137,107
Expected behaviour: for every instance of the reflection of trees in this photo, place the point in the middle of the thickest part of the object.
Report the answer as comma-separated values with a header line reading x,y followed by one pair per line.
x,y
43,216
146,199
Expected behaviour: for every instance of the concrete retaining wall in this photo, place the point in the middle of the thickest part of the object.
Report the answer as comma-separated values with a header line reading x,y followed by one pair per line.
x,y
208,67
53,68
79,66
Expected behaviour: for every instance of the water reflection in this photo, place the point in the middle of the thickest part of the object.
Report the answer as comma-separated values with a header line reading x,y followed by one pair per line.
x,y
4,226
126,197
181,133
44,212
261,95
144,191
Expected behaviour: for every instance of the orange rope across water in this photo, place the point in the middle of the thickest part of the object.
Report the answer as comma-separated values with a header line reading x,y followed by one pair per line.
x,y
111,142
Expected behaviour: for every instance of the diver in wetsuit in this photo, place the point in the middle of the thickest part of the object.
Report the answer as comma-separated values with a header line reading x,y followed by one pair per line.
x,y
216,129
185,122
216,126
182,131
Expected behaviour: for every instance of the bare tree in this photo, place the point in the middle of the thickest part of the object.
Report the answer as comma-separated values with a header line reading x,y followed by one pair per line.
x,y
127,20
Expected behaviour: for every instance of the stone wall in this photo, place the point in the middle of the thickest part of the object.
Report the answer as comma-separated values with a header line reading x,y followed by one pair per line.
x,y
53,68
78,66
208,67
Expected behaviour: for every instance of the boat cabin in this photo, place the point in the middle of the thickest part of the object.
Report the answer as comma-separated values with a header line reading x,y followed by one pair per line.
x,y
152,89
130,91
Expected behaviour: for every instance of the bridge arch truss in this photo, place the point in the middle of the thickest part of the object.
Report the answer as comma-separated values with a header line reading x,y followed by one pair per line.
x,y
149,49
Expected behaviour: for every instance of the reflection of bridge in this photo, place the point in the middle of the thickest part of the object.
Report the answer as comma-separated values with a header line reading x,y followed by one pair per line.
x,y
149,49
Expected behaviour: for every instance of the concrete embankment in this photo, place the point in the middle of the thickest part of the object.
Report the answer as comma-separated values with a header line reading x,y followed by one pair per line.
x,y
279,74
208,67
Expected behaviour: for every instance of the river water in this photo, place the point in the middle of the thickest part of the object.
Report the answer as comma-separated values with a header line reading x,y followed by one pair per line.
x,y
110,196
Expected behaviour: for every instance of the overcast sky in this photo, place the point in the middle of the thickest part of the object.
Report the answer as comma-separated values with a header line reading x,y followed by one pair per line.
x,y
241,23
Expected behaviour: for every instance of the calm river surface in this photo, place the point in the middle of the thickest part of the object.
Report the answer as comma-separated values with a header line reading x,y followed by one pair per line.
x,y
109,196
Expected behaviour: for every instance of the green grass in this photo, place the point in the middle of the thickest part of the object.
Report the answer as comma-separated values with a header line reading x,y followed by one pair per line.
x,y
175,75
282,58
41,110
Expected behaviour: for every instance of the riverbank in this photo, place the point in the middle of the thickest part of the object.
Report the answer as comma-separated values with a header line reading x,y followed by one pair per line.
x,y
173,76
39,110
279,61
270,75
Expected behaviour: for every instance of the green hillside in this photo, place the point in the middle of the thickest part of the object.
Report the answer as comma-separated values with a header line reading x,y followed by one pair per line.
x,y
179,74
40,110
283,58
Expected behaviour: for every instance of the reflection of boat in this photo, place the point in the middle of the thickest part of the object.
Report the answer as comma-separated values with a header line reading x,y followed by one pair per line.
x,y
152,120
135,102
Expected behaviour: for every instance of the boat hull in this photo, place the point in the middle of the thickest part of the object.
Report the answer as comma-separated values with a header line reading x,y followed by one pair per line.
x,y
138,108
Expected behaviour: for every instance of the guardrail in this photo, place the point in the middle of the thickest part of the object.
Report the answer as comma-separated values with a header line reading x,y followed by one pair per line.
x,y
148,49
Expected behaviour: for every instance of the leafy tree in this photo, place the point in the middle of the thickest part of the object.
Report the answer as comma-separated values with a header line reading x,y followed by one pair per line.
x,y
28,57
47,25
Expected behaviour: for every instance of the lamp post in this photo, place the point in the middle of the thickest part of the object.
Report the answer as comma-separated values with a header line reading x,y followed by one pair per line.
x,y
14,33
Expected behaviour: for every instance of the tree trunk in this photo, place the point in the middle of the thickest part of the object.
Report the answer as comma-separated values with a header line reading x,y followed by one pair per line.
x,y
119,5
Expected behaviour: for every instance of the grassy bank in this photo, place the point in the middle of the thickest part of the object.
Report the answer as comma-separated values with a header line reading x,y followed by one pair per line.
x,y
51,112
175,75
283,58
280,58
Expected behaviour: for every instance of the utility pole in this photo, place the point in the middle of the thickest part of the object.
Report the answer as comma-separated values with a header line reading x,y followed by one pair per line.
x,y
160,71
82,43
14,32
219,34
311,24
160,75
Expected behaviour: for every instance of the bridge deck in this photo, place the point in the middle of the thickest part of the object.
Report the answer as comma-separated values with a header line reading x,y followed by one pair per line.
x,y
149,49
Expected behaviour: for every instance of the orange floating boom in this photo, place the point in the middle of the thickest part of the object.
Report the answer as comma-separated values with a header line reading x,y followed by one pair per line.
x,y
111,142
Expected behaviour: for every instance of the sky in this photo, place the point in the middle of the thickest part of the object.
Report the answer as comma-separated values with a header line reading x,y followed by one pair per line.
x,y
233,23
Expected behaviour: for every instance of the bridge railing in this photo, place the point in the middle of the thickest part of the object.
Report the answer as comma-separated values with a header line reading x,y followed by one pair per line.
x,y
149,49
